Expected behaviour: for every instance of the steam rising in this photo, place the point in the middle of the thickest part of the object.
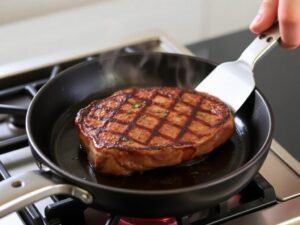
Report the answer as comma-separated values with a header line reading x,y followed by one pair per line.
x,y
140,66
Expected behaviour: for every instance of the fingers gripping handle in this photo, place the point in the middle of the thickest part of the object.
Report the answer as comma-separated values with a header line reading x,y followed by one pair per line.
x,y
20,191
261,45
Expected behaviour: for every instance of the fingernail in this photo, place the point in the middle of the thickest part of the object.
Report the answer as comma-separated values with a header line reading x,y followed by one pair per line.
x,y
256,20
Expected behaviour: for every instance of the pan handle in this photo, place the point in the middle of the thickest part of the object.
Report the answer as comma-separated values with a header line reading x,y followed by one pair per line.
x,y
19,191
260,45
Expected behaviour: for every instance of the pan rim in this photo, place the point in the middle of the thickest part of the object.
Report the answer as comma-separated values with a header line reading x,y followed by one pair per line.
x,y
85,183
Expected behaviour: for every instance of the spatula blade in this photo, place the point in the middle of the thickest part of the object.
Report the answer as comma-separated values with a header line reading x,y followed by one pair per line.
x,y
232,82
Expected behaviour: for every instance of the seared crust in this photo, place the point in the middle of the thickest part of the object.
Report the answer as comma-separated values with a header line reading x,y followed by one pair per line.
x,y
138,129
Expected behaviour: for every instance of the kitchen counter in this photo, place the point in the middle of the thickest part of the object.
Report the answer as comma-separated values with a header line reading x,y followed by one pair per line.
x,y
277,76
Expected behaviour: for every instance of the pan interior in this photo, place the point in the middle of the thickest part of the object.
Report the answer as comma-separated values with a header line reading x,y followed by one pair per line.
x,y
67,154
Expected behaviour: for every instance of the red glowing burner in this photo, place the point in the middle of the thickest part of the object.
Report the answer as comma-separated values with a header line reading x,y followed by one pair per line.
x,y
148,221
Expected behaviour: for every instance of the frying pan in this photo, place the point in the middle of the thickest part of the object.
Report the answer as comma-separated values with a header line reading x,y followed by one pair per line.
x,y
178,190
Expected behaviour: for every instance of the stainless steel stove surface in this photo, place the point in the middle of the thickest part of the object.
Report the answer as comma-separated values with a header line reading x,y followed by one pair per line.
x,y
270,198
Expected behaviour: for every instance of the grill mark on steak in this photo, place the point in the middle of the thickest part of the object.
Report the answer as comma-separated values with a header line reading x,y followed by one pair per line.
x,y
137,116
109,119
155,130
190,119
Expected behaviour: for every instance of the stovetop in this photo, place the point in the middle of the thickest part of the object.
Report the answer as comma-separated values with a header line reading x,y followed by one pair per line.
x,y
261,197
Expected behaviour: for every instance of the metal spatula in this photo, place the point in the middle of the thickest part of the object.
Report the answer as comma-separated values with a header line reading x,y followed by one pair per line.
x,y
233,82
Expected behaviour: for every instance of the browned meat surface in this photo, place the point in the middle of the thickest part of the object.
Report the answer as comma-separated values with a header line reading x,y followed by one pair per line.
x,y
139,129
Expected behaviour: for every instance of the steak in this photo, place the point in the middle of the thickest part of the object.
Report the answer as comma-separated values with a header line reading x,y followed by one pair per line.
x,y
139,129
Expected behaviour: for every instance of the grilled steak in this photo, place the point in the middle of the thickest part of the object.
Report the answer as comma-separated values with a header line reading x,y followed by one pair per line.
x,y
139,129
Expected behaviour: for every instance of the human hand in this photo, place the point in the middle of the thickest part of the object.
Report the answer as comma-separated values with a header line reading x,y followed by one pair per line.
x,y
287,12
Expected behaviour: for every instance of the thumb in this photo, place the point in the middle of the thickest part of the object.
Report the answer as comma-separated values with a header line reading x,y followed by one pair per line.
x,y
266,16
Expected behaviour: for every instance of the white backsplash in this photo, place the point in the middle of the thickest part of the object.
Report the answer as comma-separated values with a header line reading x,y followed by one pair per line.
x,y
187,20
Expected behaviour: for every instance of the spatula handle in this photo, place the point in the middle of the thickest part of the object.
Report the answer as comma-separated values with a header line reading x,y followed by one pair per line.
x,y
264,42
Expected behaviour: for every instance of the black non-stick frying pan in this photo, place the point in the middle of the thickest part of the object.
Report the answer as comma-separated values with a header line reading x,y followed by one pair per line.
x,y
176,190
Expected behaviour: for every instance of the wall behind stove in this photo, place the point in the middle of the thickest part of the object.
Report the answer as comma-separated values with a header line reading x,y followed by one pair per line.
x,y
188,21
17,10
38,31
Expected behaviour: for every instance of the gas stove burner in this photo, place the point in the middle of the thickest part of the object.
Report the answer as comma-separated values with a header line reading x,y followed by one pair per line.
x,y
12,130
14,125
14,116
17,121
